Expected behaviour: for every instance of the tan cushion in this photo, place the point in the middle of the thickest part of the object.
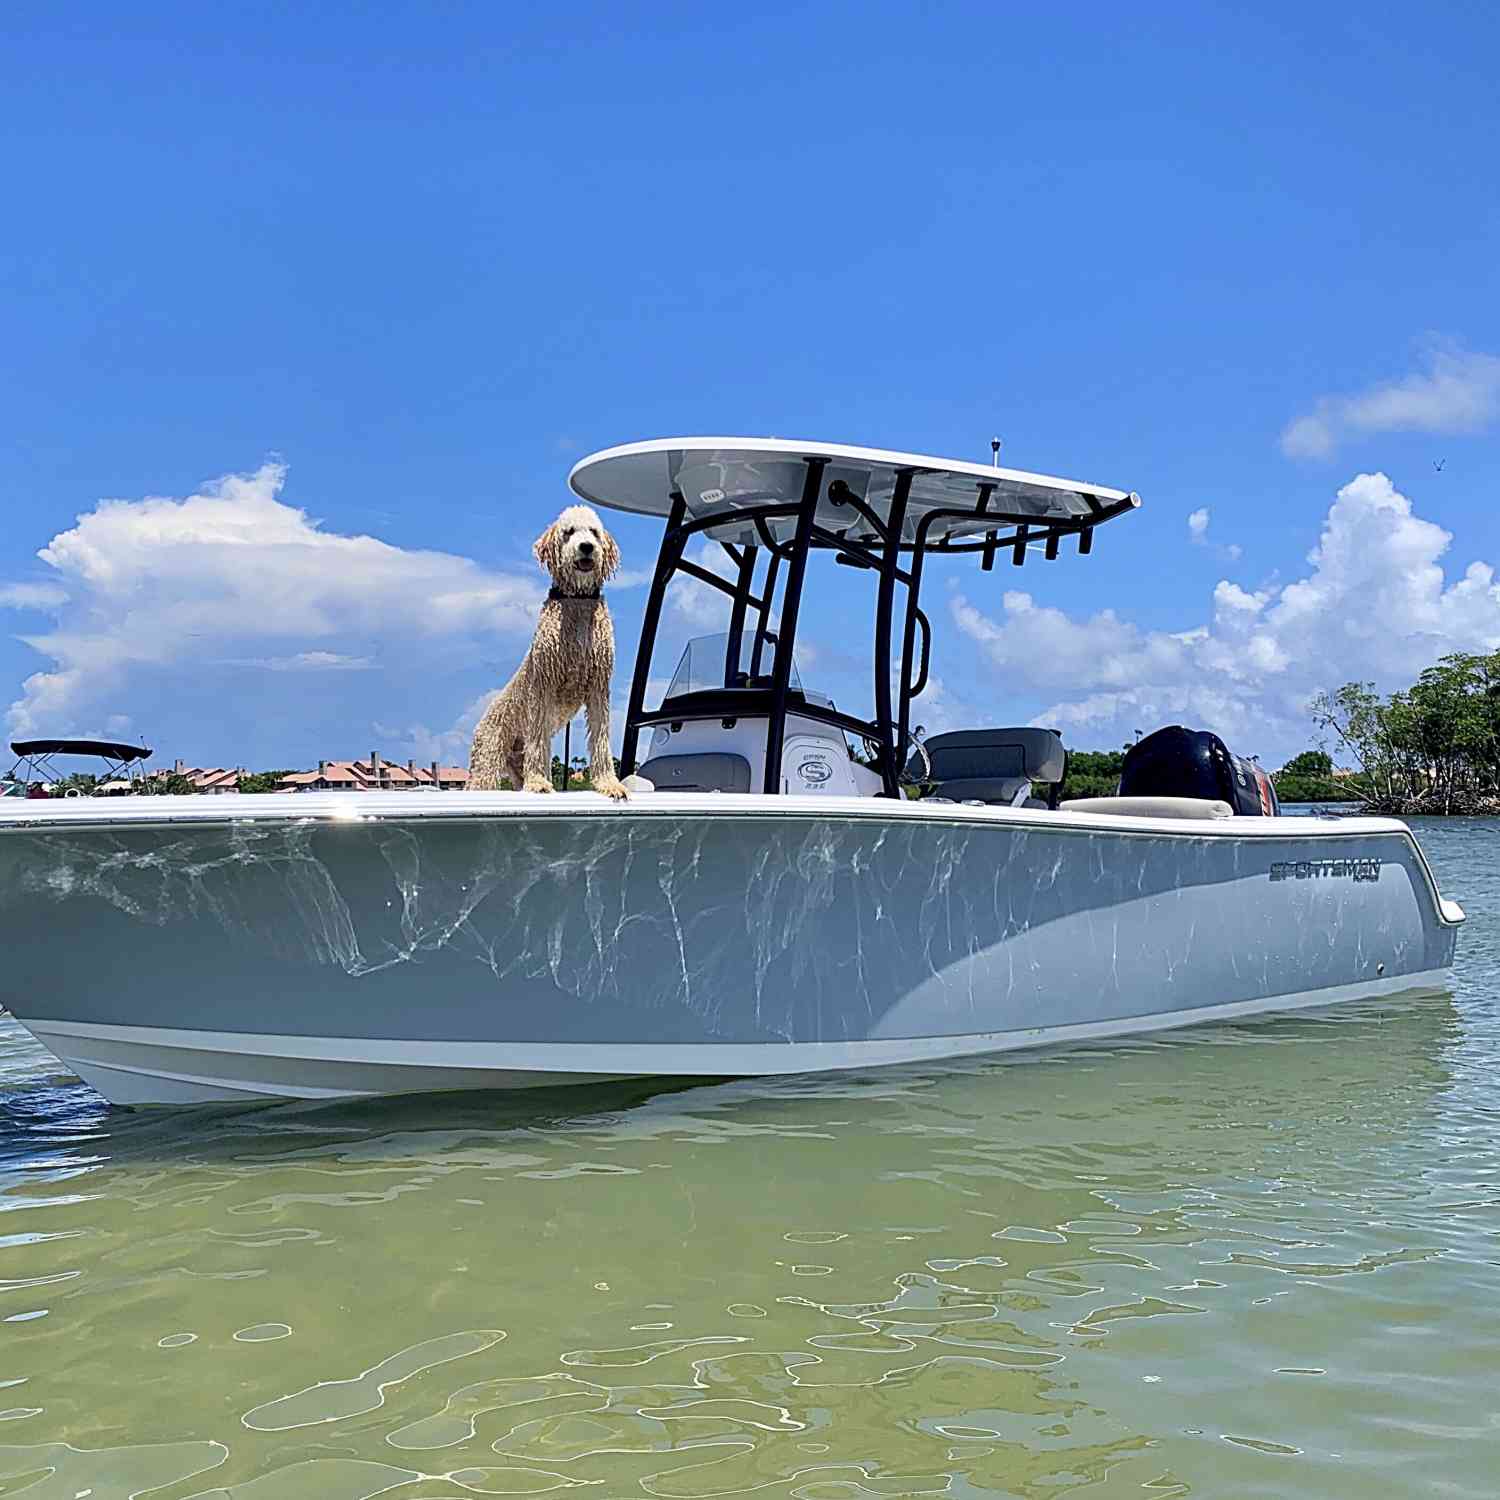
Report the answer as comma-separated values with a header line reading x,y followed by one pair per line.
x,y
1151,807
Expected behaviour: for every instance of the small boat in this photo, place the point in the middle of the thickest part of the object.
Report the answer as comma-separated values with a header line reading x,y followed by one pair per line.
x,y
36,774
770,899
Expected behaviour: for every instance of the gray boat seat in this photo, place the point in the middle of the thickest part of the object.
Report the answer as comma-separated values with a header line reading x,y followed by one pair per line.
x,y
706,771
993,765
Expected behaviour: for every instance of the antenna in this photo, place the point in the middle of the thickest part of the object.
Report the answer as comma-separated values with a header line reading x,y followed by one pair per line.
x,y
995,453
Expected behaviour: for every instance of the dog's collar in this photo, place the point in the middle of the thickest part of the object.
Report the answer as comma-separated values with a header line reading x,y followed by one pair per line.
x,y
557,593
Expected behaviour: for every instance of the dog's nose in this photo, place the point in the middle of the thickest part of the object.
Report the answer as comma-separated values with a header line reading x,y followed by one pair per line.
x,y
585,548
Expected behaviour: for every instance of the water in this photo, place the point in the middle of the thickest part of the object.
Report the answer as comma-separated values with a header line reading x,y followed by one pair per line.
x,y
1254,1260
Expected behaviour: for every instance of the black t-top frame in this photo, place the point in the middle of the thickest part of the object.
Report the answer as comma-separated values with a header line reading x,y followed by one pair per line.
x,y
878,544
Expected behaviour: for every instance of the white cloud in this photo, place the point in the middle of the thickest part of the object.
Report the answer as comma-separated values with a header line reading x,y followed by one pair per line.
x,y
232,574
1230,596
1374,605
32,596
305,661
1197,523
449,747
700,605
940,708
1458,392
632,578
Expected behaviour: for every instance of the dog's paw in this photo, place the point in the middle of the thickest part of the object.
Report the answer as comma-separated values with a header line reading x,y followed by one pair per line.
x,y
536,784
612,788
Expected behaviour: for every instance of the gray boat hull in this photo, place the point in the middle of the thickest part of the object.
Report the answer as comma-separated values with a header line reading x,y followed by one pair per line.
x,y
320,947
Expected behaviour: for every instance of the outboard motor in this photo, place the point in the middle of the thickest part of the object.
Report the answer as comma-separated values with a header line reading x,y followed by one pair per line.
x,y
1178,762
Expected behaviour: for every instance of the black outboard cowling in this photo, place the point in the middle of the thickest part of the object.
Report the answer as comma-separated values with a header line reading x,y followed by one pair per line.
x,y
1178,762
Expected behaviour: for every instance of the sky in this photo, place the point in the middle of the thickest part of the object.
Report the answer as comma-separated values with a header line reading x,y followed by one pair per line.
x,y
305,313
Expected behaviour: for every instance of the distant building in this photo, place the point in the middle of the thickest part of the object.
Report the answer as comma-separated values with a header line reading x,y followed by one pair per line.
x,y
375,774
210,780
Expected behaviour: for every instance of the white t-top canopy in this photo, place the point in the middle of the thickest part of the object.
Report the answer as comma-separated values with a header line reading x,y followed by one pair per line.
x,y
729,474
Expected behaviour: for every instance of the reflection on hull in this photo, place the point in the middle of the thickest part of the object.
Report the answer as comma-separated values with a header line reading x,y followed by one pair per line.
x,y
520,944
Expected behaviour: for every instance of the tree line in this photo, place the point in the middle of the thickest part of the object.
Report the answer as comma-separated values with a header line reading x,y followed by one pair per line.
x,y
1433,747
1305,778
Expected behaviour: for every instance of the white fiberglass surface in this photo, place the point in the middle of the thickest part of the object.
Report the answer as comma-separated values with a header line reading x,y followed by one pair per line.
x,y
727,474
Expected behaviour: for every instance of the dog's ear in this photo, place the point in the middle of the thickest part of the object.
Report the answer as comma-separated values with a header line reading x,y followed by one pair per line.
x,y
609,554
547,549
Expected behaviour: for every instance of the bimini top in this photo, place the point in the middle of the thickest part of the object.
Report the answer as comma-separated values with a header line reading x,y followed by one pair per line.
x,y
106,749
733,474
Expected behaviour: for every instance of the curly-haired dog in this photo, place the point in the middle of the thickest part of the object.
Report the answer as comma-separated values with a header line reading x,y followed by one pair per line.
x,y
569,665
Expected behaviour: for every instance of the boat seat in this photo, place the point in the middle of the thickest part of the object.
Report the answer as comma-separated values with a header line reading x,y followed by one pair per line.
x,y
1007,791
706,771
1151,807
994,766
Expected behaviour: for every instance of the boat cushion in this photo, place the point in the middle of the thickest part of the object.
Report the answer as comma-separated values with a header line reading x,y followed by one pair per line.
x,y
1151,807
707,771
967,754
1002,789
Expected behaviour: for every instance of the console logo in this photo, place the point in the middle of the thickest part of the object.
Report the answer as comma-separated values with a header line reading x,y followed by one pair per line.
x,y
1326,869
814,771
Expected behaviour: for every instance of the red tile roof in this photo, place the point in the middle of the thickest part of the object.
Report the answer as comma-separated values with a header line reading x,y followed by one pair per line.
x,y
368,776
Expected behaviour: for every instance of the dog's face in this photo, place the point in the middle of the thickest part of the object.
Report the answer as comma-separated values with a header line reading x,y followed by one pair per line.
x,y
577,551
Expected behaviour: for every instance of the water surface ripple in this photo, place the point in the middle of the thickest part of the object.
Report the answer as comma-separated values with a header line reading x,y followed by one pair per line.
x,y
1245,1260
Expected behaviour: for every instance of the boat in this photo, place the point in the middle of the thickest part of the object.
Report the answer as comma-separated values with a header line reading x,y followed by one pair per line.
x,y
772,898
36,774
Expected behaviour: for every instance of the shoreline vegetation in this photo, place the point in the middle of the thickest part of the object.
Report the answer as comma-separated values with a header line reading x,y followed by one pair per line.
x,y
1308,777
1428,750
1432,749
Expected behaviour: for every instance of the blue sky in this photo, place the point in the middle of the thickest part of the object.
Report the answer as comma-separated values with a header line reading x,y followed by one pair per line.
x,y
397,267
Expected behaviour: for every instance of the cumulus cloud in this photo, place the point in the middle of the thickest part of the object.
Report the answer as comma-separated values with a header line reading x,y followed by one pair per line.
x,y
233,577
1457,392
1374,605
1197,523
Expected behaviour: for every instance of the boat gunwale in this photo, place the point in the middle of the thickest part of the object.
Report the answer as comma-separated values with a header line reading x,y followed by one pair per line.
x,y
413,808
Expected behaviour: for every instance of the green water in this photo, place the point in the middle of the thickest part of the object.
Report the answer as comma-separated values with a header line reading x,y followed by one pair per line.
x,y
1251,1260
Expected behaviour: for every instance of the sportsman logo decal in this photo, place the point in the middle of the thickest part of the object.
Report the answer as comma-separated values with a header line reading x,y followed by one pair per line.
x,y
1326,869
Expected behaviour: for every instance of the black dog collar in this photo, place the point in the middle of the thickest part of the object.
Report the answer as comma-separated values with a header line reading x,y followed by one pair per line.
x,y
557,593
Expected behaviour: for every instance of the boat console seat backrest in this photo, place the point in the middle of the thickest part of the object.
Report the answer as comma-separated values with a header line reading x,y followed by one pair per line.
x,y
703,771
992,765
